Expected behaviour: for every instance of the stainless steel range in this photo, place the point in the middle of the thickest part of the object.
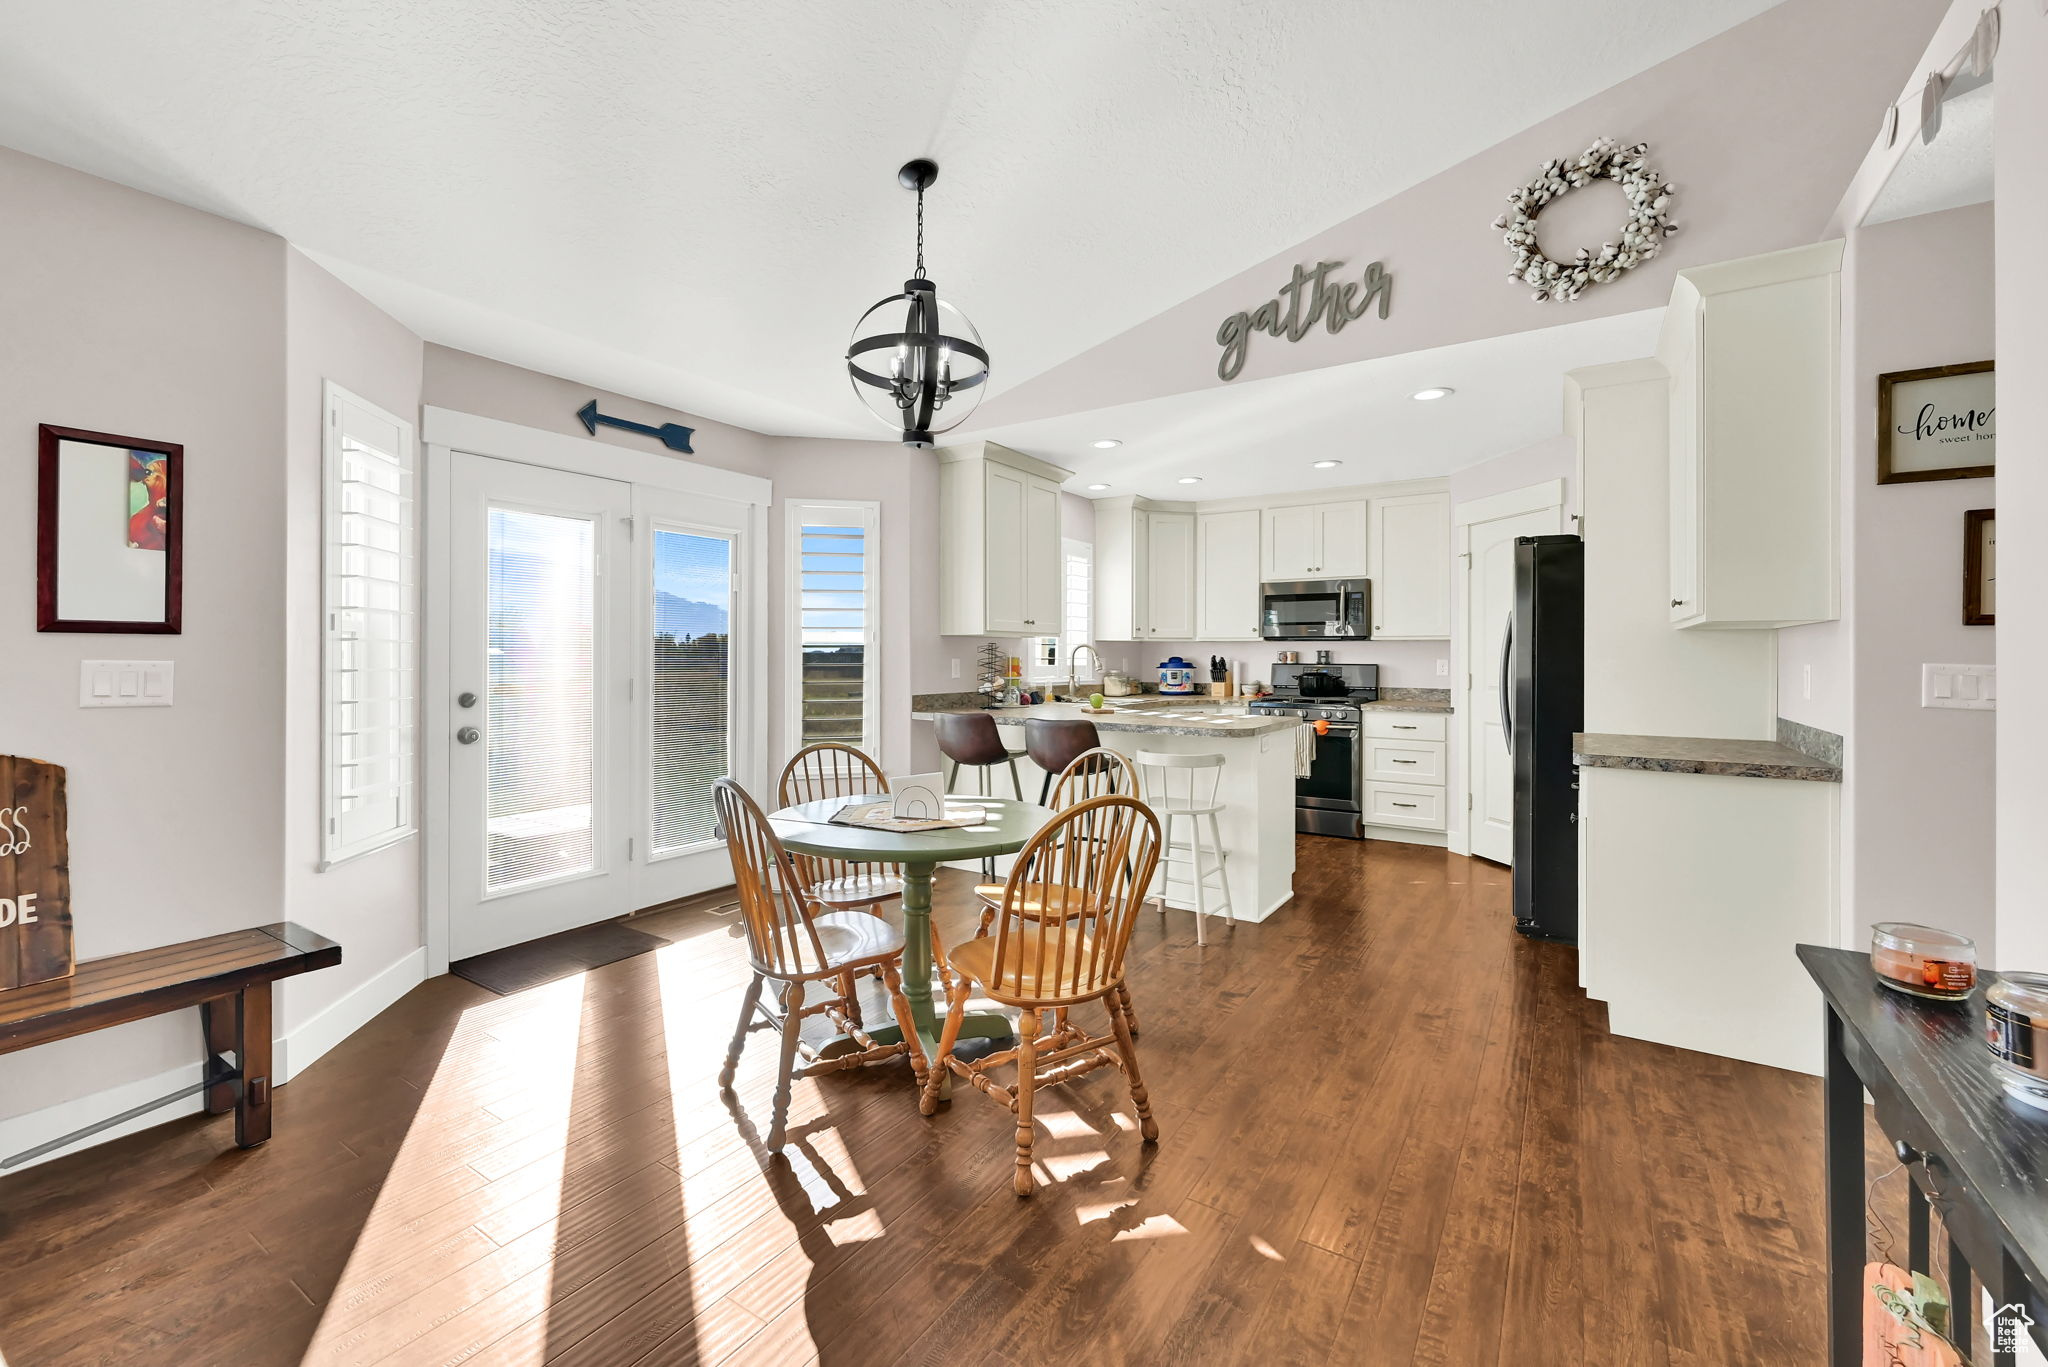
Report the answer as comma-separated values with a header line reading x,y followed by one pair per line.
x,y
1330,799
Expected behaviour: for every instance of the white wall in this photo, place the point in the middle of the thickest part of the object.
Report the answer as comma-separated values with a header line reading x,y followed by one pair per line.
x,y
370,904
132,315
1919,838
2022,345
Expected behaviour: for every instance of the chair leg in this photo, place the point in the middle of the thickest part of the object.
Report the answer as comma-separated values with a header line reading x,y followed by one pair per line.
x,y
949,1035
952,774
912,1045
1044,787
1222,874
1195,877
792,1023
1147,1126
1123,996
988,918
1016,784
748,1004
1027,1084
849,993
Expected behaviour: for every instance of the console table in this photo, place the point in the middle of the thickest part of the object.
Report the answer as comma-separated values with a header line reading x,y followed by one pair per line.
x,y
1979,1157
227,977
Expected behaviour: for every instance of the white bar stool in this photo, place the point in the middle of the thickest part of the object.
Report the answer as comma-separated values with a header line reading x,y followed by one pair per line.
x,y
1184,788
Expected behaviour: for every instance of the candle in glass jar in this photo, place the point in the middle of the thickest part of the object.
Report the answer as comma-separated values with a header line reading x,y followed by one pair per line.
x,y
1923,961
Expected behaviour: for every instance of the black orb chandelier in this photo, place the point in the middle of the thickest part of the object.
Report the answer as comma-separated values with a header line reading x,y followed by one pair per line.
x,y
914,356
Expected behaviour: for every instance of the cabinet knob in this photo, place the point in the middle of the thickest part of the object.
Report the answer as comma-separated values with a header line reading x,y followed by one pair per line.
x,y
1678,602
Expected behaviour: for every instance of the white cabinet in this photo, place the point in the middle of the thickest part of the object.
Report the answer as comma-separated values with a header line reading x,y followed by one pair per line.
x,y
1227,576
1753,350
1409,555
1316,541
999,542
1144,570
1402,772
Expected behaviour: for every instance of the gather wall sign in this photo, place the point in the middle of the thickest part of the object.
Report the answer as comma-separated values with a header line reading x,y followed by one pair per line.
x,y
1310,296
35,874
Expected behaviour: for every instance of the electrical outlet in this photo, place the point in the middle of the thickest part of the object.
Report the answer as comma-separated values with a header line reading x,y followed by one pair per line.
x,y
1443,669
956,668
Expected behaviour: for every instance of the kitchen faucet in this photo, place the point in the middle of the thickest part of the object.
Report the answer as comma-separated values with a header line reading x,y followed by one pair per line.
x,y
1073,665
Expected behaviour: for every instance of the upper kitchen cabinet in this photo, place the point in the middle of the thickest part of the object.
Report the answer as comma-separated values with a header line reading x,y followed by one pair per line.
x,y
999,542
1753,351
1227,567
1409,555
1316,541
1144,570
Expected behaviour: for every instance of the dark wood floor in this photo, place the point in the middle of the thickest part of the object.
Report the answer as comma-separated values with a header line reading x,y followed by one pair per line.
x,y
1392,1132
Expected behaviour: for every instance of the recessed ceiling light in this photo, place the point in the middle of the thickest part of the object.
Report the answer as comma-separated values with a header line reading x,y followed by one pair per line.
x,y
1190,479
1433,392
1106,443
1096,488
1328,464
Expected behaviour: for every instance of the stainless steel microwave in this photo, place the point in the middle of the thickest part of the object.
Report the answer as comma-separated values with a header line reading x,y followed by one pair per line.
x,y
1316,609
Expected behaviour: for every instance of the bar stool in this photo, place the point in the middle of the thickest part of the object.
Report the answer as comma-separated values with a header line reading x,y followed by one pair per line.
x,y
973,739
1184,788
1054,743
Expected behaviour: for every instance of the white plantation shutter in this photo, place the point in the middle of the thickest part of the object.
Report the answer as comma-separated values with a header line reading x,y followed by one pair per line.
x,y
832,586
369,642
1049,654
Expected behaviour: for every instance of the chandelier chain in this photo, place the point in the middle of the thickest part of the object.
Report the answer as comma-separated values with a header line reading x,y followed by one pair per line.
x,y
920,235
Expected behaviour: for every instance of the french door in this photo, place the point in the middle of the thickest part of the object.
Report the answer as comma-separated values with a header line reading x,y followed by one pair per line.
x,y
591,631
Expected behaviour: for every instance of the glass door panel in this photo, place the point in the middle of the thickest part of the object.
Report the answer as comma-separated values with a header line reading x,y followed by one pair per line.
x,y
691,726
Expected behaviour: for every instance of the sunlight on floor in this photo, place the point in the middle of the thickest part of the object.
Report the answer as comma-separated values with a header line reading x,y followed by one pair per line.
x,y
1161,1226
1067,1125
1266,1250
504,1066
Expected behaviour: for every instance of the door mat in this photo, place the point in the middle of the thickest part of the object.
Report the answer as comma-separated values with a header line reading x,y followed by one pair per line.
x,y
518,967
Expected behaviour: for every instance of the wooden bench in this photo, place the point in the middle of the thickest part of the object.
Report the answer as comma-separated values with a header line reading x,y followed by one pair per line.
x,y
227,977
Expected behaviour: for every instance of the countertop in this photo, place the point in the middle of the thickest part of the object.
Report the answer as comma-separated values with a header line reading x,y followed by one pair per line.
x,y
1144,716
1701,755
1404,705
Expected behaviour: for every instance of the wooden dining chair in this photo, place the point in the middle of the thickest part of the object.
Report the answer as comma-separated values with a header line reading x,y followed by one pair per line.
x,y
1087,872
826,770
797,943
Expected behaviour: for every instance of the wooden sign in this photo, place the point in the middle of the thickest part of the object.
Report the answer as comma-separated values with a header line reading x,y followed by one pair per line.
x,y
35,874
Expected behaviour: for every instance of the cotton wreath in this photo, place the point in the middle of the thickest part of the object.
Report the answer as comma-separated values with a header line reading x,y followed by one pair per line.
x,y
1641,236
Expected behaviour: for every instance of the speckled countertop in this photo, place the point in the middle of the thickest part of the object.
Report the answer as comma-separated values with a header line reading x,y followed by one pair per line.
x,y
1701,755
1405,705
1156,718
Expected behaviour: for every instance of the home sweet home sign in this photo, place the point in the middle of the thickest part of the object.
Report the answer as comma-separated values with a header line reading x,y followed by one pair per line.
x,y
35,874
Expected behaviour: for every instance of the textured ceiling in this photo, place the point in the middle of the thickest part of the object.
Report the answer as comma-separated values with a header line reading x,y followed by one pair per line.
x,y
693,202
1948,173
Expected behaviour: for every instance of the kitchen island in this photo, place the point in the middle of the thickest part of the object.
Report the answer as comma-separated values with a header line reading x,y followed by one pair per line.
x,y
1257,787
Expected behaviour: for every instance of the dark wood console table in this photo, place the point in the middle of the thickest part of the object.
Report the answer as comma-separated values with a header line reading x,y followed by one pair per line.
x,y
1979,1157
227,977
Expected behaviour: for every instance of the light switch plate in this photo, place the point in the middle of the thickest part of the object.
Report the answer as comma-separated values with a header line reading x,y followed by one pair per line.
x,y
1972,688
124,683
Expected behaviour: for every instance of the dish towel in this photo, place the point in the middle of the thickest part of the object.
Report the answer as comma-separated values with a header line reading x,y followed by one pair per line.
x,y
1304,749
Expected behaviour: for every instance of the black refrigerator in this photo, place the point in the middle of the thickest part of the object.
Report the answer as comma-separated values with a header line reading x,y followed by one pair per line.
x,y
1544,661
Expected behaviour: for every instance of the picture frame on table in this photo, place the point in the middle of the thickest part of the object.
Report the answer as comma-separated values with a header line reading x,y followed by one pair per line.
x,y
1980,567
1939,422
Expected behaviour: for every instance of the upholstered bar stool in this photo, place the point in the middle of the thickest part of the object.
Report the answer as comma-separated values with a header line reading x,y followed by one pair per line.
x,y
974,739
1183,790
1054,743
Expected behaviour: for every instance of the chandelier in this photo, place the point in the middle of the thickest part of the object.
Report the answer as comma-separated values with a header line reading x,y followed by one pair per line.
x,y
914,356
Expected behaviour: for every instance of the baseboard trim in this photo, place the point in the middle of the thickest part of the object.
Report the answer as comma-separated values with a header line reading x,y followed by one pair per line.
x,y
291,1055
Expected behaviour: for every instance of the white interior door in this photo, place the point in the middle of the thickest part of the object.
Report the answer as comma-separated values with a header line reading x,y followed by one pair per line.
x,y
541,648
1489,605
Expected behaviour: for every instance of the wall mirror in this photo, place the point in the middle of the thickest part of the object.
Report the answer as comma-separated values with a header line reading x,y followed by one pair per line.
x,y
109,532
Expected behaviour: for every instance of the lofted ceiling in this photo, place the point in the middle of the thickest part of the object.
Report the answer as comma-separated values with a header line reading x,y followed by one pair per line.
x,y
1264,437
1952,171
693,202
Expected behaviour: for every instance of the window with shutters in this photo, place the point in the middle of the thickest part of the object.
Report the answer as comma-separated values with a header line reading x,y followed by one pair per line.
x,y
832,577
369,611
1049,654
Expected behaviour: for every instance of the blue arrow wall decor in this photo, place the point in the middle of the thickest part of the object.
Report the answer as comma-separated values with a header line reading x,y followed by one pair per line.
x,y
673,435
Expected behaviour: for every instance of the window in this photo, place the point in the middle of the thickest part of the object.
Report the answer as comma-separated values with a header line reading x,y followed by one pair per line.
x,y
367,652
693,604
833,685
1049,654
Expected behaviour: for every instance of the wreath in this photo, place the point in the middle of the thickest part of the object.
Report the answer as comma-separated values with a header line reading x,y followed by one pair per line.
x,y
1641,236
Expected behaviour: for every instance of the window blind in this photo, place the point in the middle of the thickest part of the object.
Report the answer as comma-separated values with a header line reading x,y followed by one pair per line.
x,y
369,644
835,686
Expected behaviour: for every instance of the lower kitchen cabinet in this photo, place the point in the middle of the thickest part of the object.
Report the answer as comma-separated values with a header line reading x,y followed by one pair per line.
x,y
1403,783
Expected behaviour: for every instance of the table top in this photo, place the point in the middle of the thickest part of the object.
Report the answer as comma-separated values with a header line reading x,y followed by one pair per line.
x,y
807,829
1934,1056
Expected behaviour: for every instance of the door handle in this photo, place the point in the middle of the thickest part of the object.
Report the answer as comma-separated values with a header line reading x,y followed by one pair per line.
x,y
1507,657
469,735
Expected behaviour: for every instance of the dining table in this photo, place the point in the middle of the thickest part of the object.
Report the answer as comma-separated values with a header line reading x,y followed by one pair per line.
x,y
1005,826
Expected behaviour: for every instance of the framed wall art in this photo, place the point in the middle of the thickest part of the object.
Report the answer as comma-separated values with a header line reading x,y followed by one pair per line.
x,y
110,533
1980,567
1937,423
